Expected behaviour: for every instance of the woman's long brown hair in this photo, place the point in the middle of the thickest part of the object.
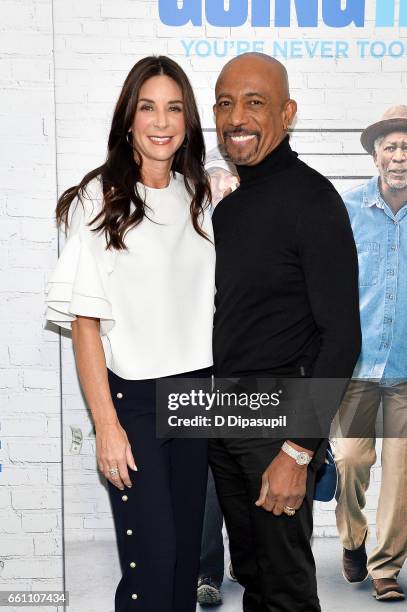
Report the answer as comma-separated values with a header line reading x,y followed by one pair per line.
x,y
120,172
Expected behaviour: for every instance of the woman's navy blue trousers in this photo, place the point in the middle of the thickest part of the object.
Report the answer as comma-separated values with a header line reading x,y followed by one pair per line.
x,y
158,521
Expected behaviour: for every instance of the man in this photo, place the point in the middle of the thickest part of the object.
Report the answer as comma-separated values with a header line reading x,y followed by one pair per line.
x,y
222,176
286,306
378,213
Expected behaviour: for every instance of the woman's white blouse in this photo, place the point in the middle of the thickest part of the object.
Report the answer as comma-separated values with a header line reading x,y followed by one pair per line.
x,y
155,301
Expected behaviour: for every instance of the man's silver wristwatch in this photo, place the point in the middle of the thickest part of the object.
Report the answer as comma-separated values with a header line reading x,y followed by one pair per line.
x,y
301,457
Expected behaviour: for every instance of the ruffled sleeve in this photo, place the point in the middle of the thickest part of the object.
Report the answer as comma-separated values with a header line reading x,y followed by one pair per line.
x,y
79,284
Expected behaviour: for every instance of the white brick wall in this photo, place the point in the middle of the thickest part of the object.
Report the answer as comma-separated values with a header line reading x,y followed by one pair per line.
x,y
30,491
62,63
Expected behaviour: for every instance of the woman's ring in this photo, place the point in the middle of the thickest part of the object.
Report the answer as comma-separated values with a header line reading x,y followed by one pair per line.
x,y
289,511
114,471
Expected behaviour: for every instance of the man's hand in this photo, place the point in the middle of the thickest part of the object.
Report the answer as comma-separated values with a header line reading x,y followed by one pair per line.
x,y
283,484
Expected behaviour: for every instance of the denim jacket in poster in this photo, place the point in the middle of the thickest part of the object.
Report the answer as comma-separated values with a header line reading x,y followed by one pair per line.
x,y
381,241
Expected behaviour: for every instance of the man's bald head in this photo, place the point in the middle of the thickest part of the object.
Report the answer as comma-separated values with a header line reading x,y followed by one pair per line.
x,y
247,62
253,108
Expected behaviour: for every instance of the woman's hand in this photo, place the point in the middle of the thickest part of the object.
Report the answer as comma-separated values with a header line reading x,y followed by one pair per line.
x,y
112,445
113,450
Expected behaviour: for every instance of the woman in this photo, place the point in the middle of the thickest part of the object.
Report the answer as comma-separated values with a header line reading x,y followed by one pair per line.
x,y
135,283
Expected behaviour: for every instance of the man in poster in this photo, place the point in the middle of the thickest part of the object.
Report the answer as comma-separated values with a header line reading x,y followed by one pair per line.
x,y
223,179
378,213
287,306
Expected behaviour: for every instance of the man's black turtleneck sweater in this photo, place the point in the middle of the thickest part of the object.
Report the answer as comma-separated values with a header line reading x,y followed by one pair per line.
x,y
287,300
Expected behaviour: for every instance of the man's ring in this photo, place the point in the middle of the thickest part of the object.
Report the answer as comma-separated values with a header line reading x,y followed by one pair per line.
x,y
114,471
289,511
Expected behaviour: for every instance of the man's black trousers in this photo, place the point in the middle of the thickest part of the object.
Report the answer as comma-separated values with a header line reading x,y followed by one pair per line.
x,y
271,555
